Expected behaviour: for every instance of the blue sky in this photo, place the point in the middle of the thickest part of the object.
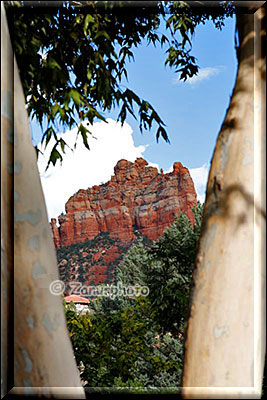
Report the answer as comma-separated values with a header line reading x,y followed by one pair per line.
x,y
193,112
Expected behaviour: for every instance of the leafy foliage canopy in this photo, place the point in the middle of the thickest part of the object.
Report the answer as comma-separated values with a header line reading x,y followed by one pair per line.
x,y
72,57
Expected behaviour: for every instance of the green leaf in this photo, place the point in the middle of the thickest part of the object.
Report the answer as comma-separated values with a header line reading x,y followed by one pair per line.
x,y
102,33
36,42
19,48
87,20
54,109
161,131
47,135
52,63
62,113
62,144
75,95
101,117
84,132
54,156
163,39
90,18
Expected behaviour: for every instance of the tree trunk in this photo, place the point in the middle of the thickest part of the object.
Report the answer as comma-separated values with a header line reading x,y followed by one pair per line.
x,y
43,355
7,157
225,338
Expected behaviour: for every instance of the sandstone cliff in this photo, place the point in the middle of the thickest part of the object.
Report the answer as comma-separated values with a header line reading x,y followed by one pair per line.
x,y
137,197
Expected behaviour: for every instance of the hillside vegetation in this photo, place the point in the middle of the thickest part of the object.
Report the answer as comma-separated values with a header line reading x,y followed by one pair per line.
x,y
137,344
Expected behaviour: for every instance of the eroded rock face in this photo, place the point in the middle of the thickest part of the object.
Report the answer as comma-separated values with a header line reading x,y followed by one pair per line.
x,y
137,197
55,232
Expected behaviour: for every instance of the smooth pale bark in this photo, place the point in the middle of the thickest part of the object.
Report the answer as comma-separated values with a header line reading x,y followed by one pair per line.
x,y
43,356
225,338
6,208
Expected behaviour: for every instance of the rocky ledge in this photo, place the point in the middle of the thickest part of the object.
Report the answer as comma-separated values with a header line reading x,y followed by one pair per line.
x,y
137,198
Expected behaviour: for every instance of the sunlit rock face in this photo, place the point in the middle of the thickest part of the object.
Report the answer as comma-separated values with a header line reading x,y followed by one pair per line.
x,y
137,198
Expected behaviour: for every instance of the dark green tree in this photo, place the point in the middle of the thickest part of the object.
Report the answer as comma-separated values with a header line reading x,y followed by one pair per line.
x,y
169,275
166,269
122,349
136,342
132,269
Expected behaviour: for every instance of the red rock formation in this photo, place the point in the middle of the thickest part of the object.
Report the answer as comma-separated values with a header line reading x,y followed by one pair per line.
x,y
137,197
55,232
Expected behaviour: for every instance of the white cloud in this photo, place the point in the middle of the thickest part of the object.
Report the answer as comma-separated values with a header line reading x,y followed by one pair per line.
x,y
203,75
169,170
151,164
200,178
83,168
